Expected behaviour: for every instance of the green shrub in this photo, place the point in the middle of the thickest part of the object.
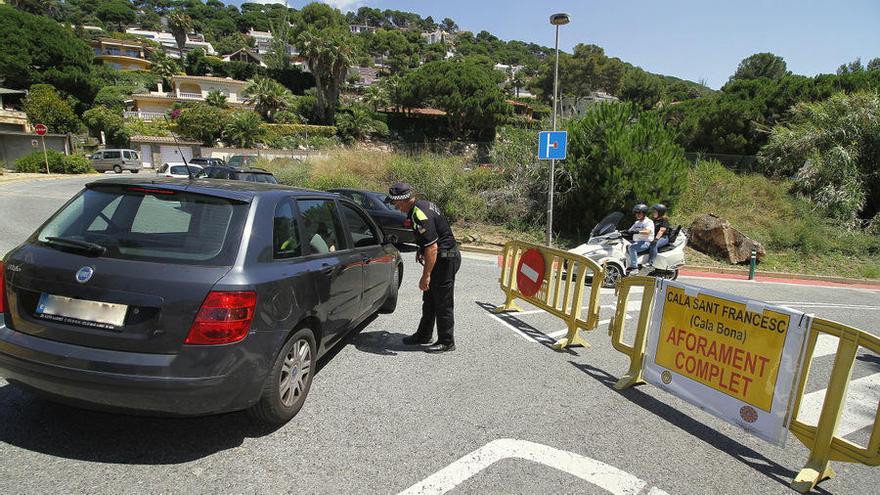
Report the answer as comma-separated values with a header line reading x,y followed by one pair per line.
x,y
617,156
443,181
59,163
275,131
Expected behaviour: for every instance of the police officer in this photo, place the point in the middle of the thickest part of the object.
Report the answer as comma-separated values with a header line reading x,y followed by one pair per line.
x,y
439,255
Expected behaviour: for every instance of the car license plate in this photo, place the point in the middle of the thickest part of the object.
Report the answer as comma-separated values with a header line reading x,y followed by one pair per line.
x,y
95,314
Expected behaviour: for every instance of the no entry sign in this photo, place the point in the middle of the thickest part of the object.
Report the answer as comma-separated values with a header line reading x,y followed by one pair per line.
x,y
530,272
40,129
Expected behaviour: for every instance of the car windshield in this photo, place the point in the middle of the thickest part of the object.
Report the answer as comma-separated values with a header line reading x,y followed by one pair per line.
x,y
137,223
181,170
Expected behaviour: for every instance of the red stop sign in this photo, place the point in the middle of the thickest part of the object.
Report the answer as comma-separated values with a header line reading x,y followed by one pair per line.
x,y
530,272
40,129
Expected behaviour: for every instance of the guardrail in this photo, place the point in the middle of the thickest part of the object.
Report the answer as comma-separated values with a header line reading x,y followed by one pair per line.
x,y
822,441
561,291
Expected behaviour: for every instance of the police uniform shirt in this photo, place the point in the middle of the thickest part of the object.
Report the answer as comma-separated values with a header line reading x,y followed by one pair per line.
x,y
430,226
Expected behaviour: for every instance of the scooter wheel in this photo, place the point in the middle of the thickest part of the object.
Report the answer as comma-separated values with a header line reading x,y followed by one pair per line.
x,y
613,274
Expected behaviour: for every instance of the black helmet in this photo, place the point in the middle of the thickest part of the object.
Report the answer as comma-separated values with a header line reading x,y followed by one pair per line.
x,y
640,208
659,208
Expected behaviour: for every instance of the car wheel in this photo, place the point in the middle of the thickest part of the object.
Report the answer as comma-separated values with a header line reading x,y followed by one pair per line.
x,y
390,303
117,169
613,274
134,171
288,382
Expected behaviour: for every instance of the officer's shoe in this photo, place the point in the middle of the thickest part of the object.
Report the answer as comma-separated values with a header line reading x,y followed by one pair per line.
x,y
438,347
416,339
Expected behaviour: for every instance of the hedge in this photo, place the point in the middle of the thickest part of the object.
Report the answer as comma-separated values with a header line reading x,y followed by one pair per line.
x,y
59,163
275,131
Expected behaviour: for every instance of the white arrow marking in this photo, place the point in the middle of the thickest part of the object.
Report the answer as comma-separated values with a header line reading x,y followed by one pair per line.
x,y
609,478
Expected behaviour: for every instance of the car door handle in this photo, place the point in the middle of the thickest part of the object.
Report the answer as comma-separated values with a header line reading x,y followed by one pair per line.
x,y
328,269
367,260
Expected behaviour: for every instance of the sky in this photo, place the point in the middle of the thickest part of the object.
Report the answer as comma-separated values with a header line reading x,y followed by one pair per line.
x,y
695,40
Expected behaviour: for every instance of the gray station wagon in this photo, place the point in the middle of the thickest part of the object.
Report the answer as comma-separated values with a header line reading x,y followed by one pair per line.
x,y
181,297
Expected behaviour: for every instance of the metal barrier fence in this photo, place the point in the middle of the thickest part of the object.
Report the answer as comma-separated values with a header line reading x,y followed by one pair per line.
x,y
561,291
824,445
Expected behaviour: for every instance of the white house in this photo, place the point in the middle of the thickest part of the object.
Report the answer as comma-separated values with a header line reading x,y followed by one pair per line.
x,y
435,36
167,40
155,104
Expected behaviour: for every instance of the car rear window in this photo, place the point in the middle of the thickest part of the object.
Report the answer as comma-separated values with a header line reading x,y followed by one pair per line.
x,y
181,170
137,223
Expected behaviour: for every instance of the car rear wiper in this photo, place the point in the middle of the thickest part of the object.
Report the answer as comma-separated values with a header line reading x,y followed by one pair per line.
x,y
87,246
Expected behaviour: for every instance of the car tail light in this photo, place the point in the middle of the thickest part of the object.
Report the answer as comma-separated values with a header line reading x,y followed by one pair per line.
x,y
2,290
224,318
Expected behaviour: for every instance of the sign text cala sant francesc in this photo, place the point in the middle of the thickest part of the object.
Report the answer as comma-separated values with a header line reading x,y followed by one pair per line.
x,y
734,357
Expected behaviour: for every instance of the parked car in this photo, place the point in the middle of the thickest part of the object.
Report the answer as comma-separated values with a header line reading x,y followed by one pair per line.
x,y
207,162
190,298
241,160
389,218
178,170
116,160
235,173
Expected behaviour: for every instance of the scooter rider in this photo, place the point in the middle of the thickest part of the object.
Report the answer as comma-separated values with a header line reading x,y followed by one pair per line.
x,y
643,234
661,231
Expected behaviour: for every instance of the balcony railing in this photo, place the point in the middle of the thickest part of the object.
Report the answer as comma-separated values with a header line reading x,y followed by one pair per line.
x,y
146,115
190,96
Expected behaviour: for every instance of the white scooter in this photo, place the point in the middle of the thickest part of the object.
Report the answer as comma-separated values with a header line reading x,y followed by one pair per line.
x,y
608,246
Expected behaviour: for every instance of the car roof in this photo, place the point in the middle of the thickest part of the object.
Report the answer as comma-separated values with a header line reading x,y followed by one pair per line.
x,y
230,189
239,169
363,191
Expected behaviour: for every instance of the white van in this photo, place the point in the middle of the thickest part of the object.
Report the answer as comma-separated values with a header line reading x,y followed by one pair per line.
x,y
116,160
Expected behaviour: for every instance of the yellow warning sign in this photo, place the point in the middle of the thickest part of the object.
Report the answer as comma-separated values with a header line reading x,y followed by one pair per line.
x,y
722,344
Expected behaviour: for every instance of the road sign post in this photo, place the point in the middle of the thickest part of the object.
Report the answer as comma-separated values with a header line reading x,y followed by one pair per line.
x,y
552,146
41,130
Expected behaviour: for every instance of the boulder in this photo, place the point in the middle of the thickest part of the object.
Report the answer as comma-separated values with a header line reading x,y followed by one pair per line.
x,y
714,236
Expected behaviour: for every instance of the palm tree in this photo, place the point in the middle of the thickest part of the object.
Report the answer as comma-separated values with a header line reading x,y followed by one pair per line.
x,y
329,54
180,25
243,128
216,99
267,96
375,96
164,67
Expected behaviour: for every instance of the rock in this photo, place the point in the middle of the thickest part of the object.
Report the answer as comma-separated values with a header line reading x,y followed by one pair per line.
x,y
714,236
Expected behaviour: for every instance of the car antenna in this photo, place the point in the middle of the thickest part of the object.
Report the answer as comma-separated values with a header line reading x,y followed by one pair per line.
x,y
182,156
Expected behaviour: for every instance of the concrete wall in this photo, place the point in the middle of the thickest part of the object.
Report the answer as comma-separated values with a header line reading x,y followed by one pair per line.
x,y
14,145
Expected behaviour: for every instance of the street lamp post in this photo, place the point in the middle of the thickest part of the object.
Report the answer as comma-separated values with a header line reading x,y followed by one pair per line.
x,y
556,20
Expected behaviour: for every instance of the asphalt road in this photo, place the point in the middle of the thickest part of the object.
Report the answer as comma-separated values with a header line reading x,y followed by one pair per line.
x,y
504,413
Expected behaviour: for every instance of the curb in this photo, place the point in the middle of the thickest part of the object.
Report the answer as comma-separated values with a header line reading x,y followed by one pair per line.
x,y
707,271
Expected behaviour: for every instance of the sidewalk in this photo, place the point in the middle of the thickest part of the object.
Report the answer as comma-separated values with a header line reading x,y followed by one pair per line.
x,y
15,176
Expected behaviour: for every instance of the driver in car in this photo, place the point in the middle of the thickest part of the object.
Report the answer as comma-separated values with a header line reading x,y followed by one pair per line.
x,y
643,234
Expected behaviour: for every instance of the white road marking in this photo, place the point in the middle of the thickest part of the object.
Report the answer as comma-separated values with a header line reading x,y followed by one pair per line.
x,y
762,282
859,410
607,477
511,327
825,345
601,322
808,304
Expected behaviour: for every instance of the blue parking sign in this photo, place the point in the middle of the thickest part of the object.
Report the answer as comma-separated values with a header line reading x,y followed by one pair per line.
x,y
552,144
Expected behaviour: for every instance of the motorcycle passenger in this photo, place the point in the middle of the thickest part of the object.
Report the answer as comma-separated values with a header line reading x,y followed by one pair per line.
x,y
643,234
661,232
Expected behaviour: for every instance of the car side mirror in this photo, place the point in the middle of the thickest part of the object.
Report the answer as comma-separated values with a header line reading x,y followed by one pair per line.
x,y
391,239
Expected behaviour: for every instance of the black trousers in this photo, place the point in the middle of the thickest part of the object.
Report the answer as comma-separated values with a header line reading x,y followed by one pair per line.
x,y
438,301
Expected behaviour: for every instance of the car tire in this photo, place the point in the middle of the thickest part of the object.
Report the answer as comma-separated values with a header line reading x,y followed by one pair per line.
x,y
134,171
117,169
288,382
390,303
